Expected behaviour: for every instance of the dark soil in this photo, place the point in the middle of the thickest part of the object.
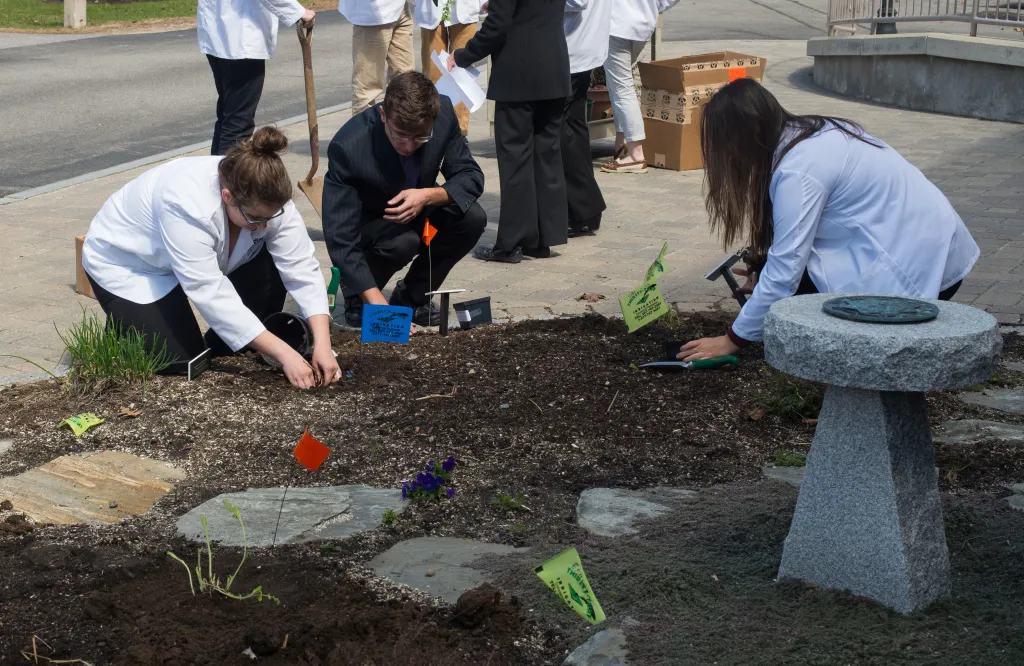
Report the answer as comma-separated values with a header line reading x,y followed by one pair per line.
x,y
543,408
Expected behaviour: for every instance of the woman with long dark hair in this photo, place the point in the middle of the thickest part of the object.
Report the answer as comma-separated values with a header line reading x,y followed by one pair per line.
x,y
825,205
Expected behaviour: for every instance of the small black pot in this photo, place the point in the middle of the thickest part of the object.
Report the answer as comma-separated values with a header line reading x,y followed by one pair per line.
x,y
672,348
293,330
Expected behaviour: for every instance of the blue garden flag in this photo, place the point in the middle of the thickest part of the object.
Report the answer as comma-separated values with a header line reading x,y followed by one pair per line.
x,y
386,323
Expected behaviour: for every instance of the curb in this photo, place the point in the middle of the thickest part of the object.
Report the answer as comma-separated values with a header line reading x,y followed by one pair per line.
x,y
144,161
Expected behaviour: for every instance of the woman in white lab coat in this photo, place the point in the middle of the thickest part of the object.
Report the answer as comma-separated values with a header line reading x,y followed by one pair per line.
x,y
454,33
223,233
238,37
632,24
830,207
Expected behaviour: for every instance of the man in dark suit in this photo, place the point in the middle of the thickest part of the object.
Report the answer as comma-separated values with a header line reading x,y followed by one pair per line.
x,y
380,189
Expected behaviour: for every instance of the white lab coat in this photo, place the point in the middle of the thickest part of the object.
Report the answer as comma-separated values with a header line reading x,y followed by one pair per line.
x,y
371,12
168,227
463,12
587,24
243,29
635,19
859,219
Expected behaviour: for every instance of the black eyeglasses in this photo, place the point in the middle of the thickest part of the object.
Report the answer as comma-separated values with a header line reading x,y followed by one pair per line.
x,y
259,220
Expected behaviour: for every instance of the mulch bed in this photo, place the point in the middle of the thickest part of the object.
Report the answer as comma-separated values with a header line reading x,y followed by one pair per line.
x,y
546,409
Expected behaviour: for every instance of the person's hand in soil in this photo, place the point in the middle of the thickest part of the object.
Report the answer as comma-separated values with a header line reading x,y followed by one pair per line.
x,y
698,350
325,363
297,370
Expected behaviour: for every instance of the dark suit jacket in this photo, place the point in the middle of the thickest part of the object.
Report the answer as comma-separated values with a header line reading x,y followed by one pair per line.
x,y
364,172
529,58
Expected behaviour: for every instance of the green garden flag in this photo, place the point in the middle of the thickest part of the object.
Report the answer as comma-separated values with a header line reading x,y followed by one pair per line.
x,y
642,306
658,267
563,573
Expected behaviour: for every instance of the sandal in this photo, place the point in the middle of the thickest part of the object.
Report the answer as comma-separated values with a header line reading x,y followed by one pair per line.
x,y
625,167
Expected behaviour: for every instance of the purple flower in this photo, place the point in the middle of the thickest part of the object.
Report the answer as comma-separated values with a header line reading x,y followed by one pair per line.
x,y
429,466
450,493
405,490
448,465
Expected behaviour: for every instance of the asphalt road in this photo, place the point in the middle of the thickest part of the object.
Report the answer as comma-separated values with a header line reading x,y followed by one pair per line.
x,y
72,106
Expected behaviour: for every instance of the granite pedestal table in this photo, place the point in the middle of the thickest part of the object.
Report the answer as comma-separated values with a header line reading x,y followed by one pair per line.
x,y
868,518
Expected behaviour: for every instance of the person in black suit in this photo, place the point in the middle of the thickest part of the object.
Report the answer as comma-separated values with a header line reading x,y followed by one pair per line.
x,y
381,187
529,84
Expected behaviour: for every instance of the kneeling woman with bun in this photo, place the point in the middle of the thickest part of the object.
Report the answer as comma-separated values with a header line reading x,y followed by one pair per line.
x,y
223,233
827,206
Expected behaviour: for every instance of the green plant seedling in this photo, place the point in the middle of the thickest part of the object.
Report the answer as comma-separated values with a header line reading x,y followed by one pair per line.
x,y
518,528
210,582
509,502
790,459
789,396
390,517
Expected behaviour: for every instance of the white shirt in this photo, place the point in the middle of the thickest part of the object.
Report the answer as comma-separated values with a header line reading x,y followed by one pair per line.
x,y
860,219
168,227
635,19
463,11
239,29
587,24
371,12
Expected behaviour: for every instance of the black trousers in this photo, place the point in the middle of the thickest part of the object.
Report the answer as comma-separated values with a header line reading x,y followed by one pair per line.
x,y
581,190
239,87
527,137
170,320
806,286
388,247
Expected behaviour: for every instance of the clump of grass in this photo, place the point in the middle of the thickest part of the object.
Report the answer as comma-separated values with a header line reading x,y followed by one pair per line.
x,y
518,528
789,396
103,356
211,582
509,502
790,459
390,517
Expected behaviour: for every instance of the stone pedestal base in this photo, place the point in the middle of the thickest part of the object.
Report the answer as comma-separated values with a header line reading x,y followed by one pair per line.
x,y
868,518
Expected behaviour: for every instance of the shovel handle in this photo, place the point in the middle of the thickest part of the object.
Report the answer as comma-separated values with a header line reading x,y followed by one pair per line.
x,y
306,41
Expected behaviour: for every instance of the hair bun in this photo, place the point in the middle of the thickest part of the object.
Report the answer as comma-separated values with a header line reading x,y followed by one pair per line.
x,y
268,141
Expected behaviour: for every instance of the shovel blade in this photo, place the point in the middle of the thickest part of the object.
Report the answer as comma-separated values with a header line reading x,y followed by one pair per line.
x,y
314,191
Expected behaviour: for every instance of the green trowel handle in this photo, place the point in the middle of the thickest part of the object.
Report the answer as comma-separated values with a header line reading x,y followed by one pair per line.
x,y
716,362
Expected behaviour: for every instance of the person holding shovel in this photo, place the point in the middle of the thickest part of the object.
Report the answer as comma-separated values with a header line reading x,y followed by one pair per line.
x,y
223,234
832,208
238,37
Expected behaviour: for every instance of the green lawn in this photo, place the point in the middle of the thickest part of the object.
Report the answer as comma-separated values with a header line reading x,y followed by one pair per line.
x,y
34,14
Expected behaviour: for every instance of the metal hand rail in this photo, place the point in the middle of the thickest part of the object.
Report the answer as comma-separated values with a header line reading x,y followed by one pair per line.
x,y
975,12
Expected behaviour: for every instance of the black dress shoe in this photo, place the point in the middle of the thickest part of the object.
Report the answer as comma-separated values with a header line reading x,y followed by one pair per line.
x,y
504,256
585,227
541,252
426,314
354,311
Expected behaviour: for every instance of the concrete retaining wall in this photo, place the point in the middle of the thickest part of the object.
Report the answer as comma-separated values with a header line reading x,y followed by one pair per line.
x,y
958,75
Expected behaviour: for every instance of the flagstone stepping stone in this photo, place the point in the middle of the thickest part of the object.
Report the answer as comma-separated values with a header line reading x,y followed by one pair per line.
x,y
94,488
970,431
1016,366
308,514
441,566
1003,400
612,512
5,445
794,476
605,648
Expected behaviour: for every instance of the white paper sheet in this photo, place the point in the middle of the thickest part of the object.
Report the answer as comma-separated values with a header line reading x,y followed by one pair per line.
x,y
460,84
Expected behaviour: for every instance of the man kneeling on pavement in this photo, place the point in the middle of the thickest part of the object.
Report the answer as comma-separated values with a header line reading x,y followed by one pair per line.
x,y
381,188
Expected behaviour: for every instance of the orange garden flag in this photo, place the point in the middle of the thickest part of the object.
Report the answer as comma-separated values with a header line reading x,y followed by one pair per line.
x,y
428,232
310,452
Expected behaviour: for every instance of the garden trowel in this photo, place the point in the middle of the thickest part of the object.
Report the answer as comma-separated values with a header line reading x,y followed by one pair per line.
x,y
312,187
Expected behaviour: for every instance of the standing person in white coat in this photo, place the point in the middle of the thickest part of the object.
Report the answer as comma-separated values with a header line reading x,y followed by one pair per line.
x,y
238,37
223,233
454,33
586,26
633,23
830,207
381,46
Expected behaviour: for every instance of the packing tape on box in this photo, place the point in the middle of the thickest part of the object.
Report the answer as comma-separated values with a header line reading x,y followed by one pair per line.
x,y
677,116
721,64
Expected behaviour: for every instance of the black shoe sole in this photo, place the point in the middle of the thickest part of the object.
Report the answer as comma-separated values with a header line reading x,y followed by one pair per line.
x,y
503,259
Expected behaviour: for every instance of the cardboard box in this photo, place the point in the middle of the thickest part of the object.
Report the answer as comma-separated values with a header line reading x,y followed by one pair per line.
x,y
672,102
82,285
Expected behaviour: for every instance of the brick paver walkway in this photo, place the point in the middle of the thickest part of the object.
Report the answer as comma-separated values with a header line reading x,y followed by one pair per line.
x,y
976,163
